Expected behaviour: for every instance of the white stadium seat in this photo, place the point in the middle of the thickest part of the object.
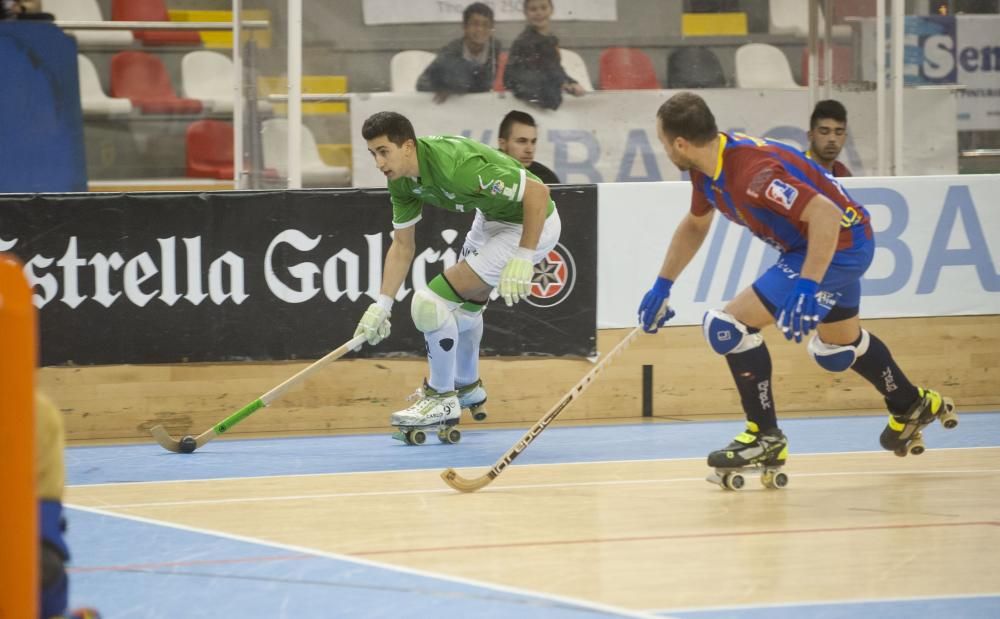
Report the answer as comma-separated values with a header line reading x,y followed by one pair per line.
x,y
575,67
759,65
315,173
405,68
87,10
92,97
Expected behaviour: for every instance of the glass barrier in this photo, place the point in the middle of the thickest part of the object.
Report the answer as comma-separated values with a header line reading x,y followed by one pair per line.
x,y
160,102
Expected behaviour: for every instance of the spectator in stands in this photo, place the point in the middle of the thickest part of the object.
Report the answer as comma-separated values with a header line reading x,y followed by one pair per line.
x,y
827,134
518,138
23,9
534,72
468,64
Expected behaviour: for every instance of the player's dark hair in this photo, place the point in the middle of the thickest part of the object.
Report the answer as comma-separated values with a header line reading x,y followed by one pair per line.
x,y
477,8
686,115
552,4
515,116
828,108
395,127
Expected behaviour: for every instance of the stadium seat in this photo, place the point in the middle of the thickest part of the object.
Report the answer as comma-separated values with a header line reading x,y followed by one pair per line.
x,y
208,77
625,68
695,67
759,65
152,10
143,79
501,67
792,17
575,67
405,68
92,97
87,10
315,173
843,64
209,149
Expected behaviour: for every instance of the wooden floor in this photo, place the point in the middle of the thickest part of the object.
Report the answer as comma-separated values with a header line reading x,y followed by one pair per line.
x,y
645,536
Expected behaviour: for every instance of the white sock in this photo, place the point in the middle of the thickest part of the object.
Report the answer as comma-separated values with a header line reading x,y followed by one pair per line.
x,y
470,334
442,346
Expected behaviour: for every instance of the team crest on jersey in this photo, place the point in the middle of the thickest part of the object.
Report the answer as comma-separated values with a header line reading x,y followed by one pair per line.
x,y
554,278
782,193
494,187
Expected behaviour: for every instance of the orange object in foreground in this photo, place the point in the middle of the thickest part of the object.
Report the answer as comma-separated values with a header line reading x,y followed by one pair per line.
x,y
19,516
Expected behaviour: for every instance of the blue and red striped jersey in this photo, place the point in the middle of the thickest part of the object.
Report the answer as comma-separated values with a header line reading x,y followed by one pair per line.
x,y
764,185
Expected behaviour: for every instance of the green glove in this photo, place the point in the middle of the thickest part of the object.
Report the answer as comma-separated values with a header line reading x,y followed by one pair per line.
x,y
515,279
375,323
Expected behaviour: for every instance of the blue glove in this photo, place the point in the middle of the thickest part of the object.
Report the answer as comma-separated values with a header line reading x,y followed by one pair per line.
x,y
800,313
654,310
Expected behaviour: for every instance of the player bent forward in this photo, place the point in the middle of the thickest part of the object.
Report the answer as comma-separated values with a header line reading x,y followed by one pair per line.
x,y
826,245
516,224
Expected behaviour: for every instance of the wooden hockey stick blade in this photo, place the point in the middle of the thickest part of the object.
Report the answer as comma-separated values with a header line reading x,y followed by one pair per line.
x,y
171,444
456,481
165,440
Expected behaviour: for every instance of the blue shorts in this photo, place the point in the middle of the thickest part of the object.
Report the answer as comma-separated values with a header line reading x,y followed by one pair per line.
x,y
841,286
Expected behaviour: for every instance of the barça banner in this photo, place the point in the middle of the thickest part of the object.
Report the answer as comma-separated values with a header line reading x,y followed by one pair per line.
x,y
267,275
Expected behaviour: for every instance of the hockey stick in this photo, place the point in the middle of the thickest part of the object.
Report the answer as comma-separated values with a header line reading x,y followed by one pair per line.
x,y
456,481
189,443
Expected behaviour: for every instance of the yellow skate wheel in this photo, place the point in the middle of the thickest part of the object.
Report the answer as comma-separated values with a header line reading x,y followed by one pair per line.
x,y
733,481
416,437
948,418
449,435
478,413
917,446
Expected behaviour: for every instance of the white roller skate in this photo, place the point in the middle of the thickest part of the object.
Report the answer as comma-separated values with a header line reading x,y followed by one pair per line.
x,y
903,435
751,450
432,411
473,398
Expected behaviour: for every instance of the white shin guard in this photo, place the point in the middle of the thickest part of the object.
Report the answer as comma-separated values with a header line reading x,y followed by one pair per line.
x,y
442,349
470,334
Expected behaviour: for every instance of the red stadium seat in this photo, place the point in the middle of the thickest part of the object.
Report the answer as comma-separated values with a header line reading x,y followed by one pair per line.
x,y
843,64
142,78
501,66
152,10
210,149
624,68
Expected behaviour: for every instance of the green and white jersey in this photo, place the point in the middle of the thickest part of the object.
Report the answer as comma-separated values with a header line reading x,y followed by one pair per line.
x,y
461,175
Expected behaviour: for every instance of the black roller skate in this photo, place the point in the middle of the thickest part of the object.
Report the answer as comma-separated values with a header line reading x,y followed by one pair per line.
x,y
903,435
752,449
473,398
432,411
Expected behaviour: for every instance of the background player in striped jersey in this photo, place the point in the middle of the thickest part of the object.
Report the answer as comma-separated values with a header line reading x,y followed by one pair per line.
x,y
827,135
826,245
516,224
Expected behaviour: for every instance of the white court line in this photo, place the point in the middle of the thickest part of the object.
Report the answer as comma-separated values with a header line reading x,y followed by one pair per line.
x,y
564,600
839,602
481,466
617,482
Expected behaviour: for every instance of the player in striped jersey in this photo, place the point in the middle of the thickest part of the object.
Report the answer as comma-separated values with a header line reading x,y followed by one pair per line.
x,y
826,245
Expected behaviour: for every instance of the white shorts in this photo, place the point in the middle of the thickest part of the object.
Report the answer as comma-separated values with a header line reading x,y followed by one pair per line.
x,y
489,245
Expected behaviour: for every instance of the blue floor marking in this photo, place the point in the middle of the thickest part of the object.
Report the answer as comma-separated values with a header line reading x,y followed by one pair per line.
x,y
481,448
133,569
979,607
206,575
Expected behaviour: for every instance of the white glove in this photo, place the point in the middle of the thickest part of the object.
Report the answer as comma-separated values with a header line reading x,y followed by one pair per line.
x,y
375,325
515,279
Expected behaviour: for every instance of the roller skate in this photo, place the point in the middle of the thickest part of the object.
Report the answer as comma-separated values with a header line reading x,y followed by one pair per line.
x,y
473,398
752,449
903,433
431,412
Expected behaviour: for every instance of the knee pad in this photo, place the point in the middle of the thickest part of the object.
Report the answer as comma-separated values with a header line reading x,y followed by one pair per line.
x,y
429,311
837,358
726,335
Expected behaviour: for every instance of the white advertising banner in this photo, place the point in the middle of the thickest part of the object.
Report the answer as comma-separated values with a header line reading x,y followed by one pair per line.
x,y
610,136
937,237
379,12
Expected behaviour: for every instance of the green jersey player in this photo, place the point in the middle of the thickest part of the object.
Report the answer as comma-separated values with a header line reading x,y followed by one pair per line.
x,y
515,225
